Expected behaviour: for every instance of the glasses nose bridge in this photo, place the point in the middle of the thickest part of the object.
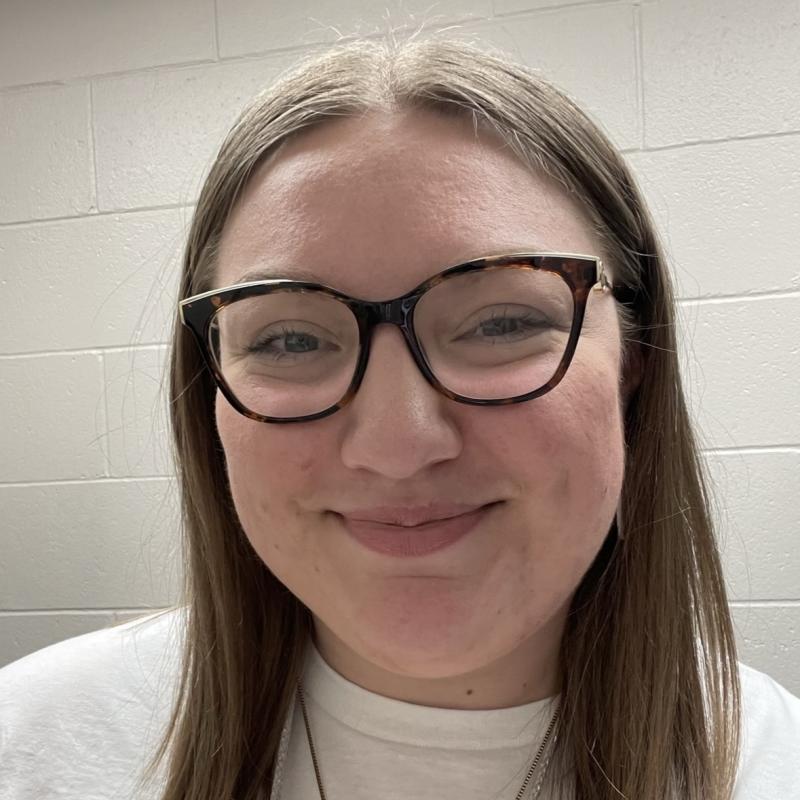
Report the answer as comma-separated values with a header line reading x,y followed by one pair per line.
x,y
395,312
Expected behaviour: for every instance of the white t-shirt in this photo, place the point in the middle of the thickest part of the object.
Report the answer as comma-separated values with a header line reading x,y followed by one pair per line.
x,y
79,718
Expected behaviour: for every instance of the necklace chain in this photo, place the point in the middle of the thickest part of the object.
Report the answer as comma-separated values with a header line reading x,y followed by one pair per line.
x,y
537,758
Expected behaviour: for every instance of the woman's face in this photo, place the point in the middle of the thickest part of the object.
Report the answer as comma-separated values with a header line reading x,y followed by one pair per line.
x,y
373,206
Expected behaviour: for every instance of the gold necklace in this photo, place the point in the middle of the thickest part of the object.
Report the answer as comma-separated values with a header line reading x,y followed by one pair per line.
x,y
520,793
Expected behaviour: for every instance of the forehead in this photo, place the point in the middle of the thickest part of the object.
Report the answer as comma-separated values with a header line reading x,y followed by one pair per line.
x,y
374,205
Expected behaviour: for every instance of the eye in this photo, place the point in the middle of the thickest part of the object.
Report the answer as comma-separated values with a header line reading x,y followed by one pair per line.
x,y
499,325
296,342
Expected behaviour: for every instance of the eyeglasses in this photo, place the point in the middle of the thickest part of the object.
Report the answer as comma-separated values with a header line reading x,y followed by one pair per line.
x,y
493,331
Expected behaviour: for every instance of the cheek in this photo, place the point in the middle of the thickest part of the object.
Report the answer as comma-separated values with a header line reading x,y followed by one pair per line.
x,y
271,469
566,452
585,417
254,450
579,419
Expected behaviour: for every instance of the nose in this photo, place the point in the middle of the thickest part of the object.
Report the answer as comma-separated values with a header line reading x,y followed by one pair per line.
x,y
397,423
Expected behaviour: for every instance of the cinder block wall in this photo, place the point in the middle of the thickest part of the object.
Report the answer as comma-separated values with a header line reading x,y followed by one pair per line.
x,y
109,117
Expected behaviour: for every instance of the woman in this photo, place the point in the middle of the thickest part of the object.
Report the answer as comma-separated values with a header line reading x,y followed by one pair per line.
x,y
456,544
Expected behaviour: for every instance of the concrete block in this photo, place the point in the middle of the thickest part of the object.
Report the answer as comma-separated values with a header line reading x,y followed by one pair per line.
x,y
102,281
587,51
719,69
55,41
255,26
728,213
52,410
45,153
138,439
157,132
109,544
741,362
768,637
758,520
22,634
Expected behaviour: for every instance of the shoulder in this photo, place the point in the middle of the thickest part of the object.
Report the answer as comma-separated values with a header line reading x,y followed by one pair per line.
x,y
121,656
81,713
770,744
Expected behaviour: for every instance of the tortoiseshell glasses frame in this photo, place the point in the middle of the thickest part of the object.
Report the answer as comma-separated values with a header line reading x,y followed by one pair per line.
x,y
581,273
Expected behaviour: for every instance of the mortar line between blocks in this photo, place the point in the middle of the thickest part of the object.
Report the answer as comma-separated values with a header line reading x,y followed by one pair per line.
x,y
106,432
215,23
85,481
639,61
95,207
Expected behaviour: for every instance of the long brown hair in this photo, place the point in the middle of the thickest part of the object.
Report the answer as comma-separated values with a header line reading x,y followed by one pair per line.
x,y
649,680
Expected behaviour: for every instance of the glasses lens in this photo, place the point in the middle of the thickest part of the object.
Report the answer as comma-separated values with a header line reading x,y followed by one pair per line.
x,y
288,353
490,334
497,333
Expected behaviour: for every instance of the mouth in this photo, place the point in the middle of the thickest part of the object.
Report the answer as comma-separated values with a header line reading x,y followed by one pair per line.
x,y
410,516
416,540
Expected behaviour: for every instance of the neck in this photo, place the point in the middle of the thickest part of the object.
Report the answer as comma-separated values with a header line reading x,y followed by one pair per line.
x,y
527,674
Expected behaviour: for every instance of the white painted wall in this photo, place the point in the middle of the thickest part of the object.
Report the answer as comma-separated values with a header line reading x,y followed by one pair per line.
x,y
109,116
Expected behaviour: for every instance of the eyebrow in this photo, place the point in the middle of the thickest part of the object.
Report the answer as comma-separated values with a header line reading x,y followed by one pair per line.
x,y
267,274
301,274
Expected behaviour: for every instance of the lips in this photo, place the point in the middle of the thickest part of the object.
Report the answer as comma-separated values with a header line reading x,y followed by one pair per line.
x,y
416,540
408,516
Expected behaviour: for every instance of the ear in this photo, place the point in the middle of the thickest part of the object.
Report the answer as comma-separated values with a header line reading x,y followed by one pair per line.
x,y
633,371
